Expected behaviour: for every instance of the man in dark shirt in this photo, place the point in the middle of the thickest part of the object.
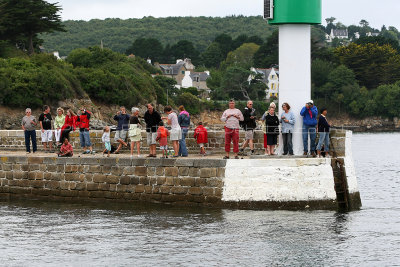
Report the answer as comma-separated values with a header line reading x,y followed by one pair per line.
x,y
249,125
122,129
45,125
152,118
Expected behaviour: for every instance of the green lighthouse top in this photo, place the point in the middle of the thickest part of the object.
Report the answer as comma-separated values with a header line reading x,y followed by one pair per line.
x,y
292,11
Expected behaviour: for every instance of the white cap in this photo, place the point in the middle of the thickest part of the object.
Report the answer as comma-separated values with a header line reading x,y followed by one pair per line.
x,y
310,102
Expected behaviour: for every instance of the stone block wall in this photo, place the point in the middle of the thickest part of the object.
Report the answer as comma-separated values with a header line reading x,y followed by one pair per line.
x,y
177,181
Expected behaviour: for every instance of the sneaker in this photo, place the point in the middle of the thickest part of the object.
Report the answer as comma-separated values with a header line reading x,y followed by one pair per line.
x,y
93,152
313,154
236,157
284,154
139,156
305,154
225,157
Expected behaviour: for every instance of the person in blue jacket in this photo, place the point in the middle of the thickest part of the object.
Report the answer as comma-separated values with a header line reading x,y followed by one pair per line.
x,y
309,113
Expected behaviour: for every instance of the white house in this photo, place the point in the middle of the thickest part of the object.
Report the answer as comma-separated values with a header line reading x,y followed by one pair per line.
x,y
270,78
337,33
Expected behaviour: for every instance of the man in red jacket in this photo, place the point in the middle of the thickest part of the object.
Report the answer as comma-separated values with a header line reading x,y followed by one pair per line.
x,y
83,123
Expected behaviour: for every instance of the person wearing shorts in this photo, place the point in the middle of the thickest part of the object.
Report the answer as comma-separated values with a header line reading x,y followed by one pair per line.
x,y
122,129
152,119
176,132
45,125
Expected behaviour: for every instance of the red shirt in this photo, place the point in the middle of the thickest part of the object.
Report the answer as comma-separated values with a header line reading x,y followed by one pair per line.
x,y
69,122
66,148
162,134
200,133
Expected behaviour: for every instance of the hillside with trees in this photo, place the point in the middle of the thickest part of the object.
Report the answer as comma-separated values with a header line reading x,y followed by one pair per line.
x,y
119,34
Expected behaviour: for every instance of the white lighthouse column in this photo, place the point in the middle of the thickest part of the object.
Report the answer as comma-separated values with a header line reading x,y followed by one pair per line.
x,y
295,74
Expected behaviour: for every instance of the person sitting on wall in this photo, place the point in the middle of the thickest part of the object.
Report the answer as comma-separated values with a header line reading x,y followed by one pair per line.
x,y
122,129
66,149
231,117
309,113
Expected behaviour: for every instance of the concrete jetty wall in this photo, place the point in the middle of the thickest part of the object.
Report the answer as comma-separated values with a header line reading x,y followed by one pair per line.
x,y
266,183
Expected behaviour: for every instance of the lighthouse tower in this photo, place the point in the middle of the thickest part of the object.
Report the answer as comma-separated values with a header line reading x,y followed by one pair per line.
x,y
294,18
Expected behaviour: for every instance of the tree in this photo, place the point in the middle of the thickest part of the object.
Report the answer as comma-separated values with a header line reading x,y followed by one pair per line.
x,y
184,49
268,54
236,84
363,23
27,18
242,56
213,56
372,64
241,39
330,25
225,42
146,48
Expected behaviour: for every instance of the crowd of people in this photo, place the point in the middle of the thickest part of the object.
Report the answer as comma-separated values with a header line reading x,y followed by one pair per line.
x,y
129,128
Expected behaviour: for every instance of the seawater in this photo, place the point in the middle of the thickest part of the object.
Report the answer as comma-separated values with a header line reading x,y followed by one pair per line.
x,y
36,233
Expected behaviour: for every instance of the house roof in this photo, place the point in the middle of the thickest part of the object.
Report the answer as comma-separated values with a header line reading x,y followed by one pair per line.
x,y
173,68
265,73
202,75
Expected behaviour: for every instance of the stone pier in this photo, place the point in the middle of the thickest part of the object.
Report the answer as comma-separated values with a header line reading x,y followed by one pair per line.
x,y
260,182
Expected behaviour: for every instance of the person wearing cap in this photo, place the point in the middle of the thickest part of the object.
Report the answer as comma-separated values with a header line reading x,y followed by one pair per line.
x,y
231,118
309,113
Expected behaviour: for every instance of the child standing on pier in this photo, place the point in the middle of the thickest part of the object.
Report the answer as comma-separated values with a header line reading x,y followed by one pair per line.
x,y
162,138
201,136
106,140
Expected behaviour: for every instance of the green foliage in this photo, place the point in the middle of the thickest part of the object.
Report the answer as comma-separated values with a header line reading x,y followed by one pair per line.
x,y
147,48
36,81
242,56
165,84
372,64
25,19
268,54
119,34
190,90
235,84
111,77
213,55
191,102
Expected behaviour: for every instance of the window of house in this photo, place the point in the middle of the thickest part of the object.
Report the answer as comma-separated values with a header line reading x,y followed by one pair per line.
x,y
183,72
167,71
197,79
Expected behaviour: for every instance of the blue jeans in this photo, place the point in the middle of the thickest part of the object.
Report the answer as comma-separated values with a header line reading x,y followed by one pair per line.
x,y
323,139
84,137
313,134
182,143
287,143
30,135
